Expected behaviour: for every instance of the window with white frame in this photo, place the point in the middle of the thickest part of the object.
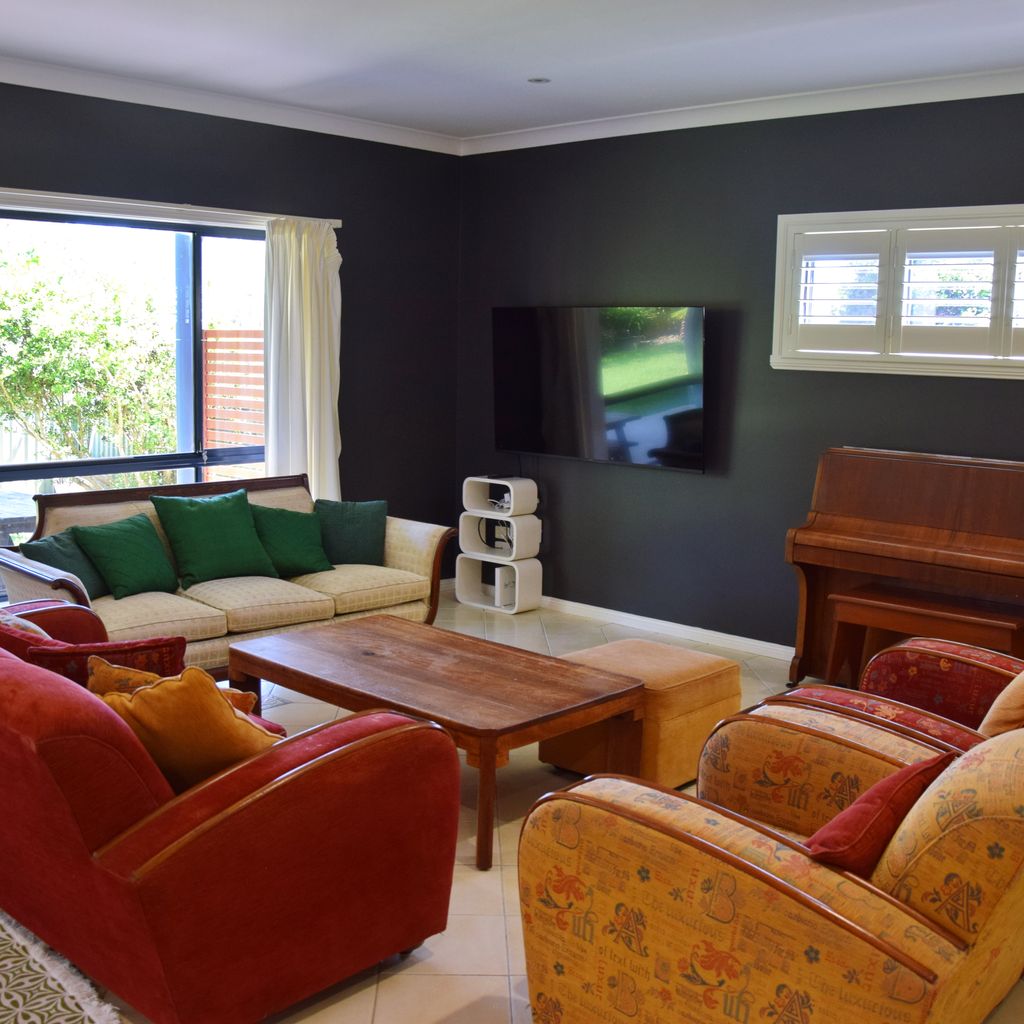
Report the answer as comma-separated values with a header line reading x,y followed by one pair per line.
x,y
902,291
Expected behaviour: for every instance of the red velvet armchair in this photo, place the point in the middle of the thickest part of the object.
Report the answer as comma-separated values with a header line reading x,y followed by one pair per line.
x,y
270,881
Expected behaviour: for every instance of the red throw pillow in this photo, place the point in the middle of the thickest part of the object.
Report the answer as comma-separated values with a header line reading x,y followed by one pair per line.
x,y
19,641
856,838
164,655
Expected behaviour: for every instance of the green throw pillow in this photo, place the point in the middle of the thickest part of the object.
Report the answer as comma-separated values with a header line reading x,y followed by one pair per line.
x,y
353,530
213,538
292,539
129,556
60,551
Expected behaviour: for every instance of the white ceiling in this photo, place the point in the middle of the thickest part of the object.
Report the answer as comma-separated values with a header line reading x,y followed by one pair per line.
x,y
452,75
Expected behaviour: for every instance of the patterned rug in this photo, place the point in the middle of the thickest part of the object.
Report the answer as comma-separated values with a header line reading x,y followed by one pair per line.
x,y
39,987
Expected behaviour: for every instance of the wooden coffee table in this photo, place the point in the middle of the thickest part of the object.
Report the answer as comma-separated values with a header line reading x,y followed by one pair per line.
x,y
490,697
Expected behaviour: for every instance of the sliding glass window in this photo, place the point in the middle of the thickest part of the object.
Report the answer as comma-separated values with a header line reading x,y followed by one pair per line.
x,y
130,353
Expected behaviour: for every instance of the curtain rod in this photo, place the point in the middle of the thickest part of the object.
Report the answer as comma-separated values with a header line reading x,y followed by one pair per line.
x,y
104,206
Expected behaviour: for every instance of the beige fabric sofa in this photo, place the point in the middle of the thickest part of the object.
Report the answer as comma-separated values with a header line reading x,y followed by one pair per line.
x,y
213,614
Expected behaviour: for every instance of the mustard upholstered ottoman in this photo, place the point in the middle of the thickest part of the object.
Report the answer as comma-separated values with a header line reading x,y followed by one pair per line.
x,y
686,694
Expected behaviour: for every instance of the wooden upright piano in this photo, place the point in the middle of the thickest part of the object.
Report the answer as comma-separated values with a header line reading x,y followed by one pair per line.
x,y
899,543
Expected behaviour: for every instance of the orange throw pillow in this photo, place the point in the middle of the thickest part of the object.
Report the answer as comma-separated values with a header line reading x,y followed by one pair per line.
x,y
189,726
1007,710
106,678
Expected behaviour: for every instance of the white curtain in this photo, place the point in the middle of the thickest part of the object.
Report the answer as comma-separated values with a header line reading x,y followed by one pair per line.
x,y
302,327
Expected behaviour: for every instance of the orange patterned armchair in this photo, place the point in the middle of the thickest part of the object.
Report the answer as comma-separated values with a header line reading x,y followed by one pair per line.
x,y
642,904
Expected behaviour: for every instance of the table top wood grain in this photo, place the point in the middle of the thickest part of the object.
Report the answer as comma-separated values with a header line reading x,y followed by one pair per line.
x,y
474,686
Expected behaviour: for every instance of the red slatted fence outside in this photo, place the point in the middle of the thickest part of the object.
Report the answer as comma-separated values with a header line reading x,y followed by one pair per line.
x,y
233,406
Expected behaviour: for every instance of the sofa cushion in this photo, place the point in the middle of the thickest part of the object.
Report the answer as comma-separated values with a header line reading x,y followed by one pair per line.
x,y
129,556
363,587
153,614
353,530
293,540
213,538
189,727
61,551
257,602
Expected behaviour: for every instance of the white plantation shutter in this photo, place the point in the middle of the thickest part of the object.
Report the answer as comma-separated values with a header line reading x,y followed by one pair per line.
x,y
949,289
839,277
1017,299
902,291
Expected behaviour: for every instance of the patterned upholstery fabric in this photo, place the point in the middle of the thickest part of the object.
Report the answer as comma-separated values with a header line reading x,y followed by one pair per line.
x,y
641,904
365,587
259,602
963,843
954,680
796,768
886,710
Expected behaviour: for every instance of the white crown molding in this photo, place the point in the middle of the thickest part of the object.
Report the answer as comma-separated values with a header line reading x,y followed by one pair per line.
x,y
126,90
113,87
891,94
617,618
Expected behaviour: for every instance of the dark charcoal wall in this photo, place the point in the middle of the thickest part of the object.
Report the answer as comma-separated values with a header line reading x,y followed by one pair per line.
x,y
399,244
690,216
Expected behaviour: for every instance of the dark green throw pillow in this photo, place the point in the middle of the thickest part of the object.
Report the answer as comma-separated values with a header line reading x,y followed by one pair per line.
x,y
129,556
60,551
213,538
292,539
353,530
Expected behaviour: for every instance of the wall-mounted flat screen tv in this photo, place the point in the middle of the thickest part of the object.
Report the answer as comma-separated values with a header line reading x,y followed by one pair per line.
x,y
622,384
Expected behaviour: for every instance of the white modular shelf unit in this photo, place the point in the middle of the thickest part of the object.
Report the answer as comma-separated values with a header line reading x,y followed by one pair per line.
x,y
499,530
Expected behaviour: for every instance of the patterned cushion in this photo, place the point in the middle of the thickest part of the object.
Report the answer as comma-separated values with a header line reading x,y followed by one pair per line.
x,y
365,587
164,656
962,844
953,680
889,711
877,738
258,602
143,615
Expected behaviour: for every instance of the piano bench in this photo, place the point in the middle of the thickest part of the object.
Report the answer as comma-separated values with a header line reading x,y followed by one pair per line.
x,y
864,620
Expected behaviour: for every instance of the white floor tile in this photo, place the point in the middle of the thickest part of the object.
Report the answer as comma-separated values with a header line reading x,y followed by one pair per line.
x,y
520,992
472,944
476,892
351,1002
421,999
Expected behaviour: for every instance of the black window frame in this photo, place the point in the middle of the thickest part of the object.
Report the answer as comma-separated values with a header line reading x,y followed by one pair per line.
x,y
200,457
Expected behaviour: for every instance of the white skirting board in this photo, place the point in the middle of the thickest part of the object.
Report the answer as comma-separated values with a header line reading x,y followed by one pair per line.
x,y
676,629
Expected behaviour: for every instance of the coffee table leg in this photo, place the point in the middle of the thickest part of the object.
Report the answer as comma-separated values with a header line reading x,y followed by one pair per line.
x,y
625,735
487,788
248,684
